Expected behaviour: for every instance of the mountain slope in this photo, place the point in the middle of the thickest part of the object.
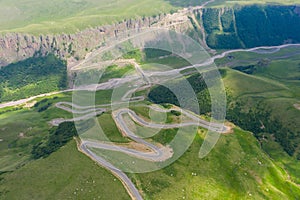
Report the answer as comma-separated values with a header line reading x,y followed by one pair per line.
x,y
65,174
237,168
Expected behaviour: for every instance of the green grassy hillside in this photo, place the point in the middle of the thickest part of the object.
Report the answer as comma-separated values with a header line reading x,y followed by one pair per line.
x,y
270,85
261,93
251,26
57,16
33,76
69,16
237,168
222,3
262,90
66,174
22,128
266,88
28,125
264,107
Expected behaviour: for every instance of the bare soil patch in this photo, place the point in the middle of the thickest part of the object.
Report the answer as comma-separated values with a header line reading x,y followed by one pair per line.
x,y
297,106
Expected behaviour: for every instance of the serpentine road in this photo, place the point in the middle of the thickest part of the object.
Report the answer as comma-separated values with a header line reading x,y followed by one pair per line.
x,y
222,55
116,82
156,154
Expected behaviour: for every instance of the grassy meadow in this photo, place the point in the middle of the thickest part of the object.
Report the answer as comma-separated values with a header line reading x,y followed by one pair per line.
x,y
70,16
64,16
33,76
237,168
22,127
219,3
65,174
275,85
25,127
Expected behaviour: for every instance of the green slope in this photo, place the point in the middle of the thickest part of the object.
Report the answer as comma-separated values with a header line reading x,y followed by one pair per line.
x,y
219,3
66,174
237,168
274,86
250,26
262,90
33,76
58,16
241,84
270,92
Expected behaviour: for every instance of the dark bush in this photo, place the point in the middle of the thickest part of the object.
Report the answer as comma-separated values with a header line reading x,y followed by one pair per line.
x,y
58,137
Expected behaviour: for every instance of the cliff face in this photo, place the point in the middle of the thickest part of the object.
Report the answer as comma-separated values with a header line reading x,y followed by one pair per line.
x,y
72,47
217,28
15,47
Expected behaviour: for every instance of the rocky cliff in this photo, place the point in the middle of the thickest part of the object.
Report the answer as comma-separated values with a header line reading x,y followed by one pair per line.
x,y
216,28
15,47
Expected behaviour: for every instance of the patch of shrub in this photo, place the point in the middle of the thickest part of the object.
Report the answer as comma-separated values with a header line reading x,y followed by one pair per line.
x,y
57,138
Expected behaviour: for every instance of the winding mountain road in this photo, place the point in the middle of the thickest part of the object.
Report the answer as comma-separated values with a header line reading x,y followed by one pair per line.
x,y
112,83
156,154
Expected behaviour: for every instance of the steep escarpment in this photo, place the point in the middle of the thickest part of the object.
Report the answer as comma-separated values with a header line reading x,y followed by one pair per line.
x,y
217,28
15,46
250,26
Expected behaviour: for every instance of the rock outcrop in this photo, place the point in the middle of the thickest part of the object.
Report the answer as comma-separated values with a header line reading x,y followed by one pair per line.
x,y
216,28
15,46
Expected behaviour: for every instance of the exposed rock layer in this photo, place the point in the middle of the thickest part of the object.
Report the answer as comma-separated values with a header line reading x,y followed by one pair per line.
x,y
219,28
